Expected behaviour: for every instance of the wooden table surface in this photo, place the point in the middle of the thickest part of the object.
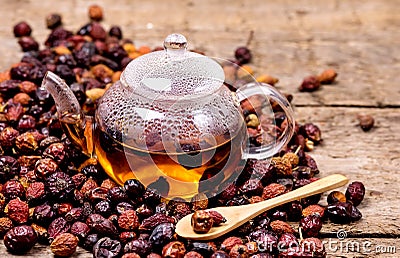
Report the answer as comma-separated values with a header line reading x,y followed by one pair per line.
x,y
292,39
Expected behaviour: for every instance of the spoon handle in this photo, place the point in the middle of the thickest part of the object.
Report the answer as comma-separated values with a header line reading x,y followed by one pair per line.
x,y
322,185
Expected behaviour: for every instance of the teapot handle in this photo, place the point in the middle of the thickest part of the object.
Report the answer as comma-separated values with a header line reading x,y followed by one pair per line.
x,y
270,149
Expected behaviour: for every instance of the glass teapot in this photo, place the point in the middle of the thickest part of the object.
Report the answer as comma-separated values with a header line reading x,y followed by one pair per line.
x,y
169,122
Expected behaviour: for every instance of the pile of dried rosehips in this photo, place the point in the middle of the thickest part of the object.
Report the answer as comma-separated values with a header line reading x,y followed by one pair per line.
x,y
51,195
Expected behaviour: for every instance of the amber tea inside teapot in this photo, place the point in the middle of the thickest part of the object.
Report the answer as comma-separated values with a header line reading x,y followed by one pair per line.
x,y
170,122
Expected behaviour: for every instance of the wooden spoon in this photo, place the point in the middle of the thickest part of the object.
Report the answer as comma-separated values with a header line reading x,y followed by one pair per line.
x,y
238,215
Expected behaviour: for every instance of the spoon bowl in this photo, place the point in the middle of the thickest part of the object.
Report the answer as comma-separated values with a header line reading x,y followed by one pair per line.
x,y
238,215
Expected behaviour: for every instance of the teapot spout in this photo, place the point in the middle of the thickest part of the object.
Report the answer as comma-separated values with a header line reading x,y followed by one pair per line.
x,y
76,126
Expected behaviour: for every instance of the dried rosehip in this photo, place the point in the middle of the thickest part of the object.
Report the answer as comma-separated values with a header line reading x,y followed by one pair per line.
x,y
201,221
90,241
336,196
219,254
174,249
287,240
22,29
117,194
203,248
8,136
192,254
355,193
216,217
43,214
311,225
313,246
20,239
282,166
294,211
115,31
106,247
314,209
162,234
28,43
280,227
273,190
151,222
366,122
59,186
42,234
199,201
64,245
53,21
35,192
74,214
243,55
58,226
101,225
309,84
267,240
343,212
103,208
95,12
311,131
251,187
80,229
230,242
56,151
9,168
139,246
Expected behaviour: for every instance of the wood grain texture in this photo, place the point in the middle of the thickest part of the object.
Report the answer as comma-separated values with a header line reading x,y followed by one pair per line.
x,y
292,39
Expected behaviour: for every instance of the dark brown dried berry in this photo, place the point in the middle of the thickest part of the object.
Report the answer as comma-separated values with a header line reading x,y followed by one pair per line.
x,y
28,43
220,254
201,222
101,225
64,245
53,21
175,249
267,240
162,234
311,225
20,239
335,196
26,143
115,31
80,229
56,151
311,131
355,193
106,247
59,186
58,226
243,55
9,168
366,122
45,167
343,213
252,187
286,241
43,214
151,222
139,246
199,201
309,84
217,217
206,249
134,188
22,29
313,246
90,241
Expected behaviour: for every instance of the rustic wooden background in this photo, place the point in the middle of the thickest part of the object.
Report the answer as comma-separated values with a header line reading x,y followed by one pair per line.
x,y
292,39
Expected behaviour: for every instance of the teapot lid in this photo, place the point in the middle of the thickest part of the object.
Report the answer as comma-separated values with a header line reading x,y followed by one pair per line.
x,y
173,73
